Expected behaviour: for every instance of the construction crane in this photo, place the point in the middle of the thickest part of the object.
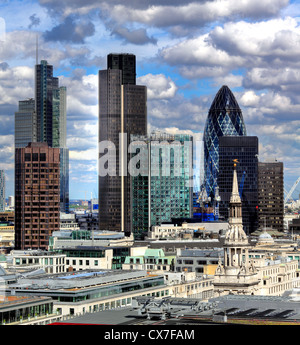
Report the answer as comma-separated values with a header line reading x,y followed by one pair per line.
x,y
291,190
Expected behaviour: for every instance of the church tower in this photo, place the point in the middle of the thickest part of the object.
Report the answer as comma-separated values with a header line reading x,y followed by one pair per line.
x,y
236,275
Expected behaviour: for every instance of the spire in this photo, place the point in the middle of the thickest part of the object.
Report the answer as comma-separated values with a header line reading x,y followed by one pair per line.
x,y
235,195
236,233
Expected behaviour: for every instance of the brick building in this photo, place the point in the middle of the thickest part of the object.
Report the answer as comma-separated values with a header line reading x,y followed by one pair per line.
x,y
37,195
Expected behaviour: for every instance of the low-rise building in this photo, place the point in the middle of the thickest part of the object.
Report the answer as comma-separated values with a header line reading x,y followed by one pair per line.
x,y
187,230
7,234
25,260
91,290
86,249
148,259
201,261
27,310
68,222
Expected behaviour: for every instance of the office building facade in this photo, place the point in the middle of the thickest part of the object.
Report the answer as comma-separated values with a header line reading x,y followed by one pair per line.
x,y
51,114
224,119
244,149
270,195
37,195
163,186
25,123
122,113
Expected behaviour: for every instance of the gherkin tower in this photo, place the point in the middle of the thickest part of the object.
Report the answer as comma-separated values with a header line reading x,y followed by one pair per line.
x,y
224,119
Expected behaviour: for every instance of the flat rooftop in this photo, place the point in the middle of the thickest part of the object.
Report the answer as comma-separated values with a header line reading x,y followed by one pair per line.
x,y
79,279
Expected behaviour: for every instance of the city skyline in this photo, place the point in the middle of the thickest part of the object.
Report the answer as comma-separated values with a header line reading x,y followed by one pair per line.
x,y
183,57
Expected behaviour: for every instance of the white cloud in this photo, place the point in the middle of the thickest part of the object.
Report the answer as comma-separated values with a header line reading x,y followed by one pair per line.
x,y
158,86
249,98
86,155
261,42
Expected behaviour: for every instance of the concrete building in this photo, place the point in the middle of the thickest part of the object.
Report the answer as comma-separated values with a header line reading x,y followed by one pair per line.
x,y
7,234
187,230
201,261
154,260
91,249
27,310
68,222
25,261
87,291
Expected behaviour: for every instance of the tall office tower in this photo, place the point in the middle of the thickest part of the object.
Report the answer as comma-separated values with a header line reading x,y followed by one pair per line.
x,y
2,191
51,121
125,63
162,185
122,112
37,201
270,195
243,149
224,118
25,123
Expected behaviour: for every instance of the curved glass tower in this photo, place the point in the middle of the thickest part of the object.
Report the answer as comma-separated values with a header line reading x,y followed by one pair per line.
x,y
224,119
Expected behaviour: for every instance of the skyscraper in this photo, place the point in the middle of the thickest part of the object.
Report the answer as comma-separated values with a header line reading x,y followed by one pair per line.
x,y
37,208
2,191
51,117
122,112
244,150
224,118
162,187
25,123
270,195
43,119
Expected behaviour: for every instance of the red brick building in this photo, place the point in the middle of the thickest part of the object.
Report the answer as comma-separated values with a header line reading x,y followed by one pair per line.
x,y
37,195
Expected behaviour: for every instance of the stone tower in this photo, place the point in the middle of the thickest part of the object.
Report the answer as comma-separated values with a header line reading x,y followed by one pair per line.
x,y
237,275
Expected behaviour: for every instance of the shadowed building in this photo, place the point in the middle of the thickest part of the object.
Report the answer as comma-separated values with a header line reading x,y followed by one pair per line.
x,y
270,195
122,112
244,149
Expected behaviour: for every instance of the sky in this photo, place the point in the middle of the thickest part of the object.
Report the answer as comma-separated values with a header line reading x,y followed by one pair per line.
x,y
185,51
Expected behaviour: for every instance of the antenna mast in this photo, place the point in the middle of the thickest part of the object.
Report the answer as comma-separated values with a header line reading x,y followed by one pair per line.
x,y
36,49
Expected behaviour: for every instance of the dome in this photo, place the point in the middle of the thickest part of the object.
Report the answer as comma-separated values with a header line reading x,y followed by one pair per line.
x,y
265,238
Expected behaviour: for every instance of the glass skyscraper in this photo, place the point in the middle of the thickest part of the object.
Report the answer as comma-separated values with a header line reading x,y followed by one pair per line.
x,y
122,113
163,188
51,117
244,149
25,123
224,119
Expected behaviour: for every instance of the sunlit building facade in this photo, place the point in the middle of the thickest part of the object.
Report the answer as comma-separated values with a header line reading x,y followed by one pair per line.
x,y
163,189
